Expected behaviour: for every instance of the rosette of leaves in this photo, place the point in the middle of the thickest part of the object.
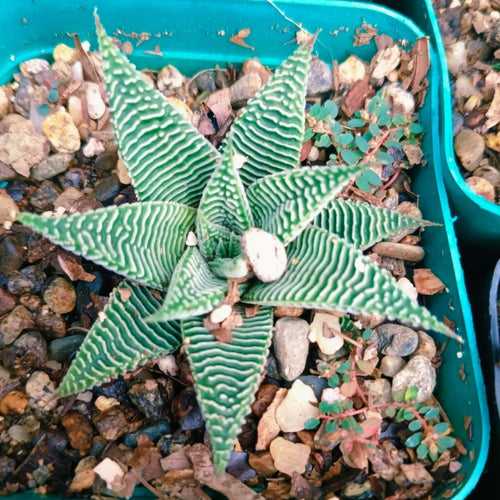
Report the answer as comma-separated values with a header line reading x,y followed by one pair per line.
x,y
251,209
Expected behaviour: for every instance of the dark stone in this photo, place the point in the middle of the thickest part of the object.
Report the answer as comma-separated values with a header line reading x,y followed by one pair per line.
x,y
107,189
17,190
11,254
64,348
205,82
7,301
50,322
153,432
148,399
272,369
29,280
164,444
106,162
28,351
116,389
193,420
7,467
74,177
43,198
238,466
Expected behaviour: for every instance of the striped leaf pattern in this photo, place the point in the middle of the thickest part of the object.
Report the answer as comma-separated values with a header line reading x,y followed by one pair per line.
x,y
269,132
215,240
224,201
141,241
122,340
362,224
193,289
326,272
284,204
227,375
166,157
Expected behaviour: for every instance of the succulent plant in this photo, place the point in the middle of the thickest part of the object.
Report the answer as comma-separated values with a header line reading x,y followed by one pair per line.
x,y
215,231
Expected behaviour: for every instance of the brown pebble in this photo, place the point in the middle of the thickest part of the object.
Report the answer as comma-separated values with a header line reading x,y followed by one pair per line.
x,y
282,311
116,422
482,187
79,431
262,463
409,253
13,324
426,282
7,301
60,296
13,402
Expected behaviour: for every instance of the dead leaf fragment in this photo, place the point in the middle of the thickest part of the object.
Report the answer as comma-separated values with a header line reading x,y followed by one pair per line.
x,y
268,427
426,282
72,267
239,38
356,97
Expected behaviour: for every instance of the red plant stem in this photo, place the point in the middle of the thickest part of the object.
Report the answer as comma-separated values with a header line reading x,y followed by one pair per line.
x,y
383,406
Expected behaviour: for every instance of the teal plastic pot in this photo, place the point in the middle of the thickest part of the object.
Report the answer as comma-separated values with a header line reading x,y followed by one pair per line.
x,y
195,35
477,219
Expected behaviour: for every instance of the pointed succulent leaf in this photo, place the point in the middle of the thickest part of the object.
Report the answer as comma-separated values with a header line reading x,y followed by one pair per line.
x,y
362,224
224,201
215,240
166,157
325,272
227,375
270,129
193,289
121,340
284,204
141,241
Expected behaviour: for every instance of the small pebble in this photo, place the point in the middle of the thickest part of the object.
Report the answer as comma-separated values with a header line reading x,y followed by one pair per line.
x,y
106,189
14,402
61,349
288,457
282,311
19,433
396,340
245,88
7,301
79,430
408,288
109,471
64,53
170,79
61,131
390,365
44,197
426,345
262,462
54,165
291,346
482,187
379,391
326,332
95,103
420,373
12,325
41,390
469,146
410,253
147,398
60,296
22,151
8,208
320,78
296,408
102,403
122,172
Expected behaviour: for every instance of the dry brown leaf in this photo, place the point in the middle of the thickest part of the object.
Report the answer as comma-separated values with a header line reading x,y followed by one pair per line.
x,y
268,427
239,38
354,453
426,282
356,97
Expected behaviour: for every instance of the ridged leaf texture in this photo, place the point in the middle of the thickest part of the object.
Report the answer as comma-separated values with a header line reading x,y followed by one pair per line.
x,y
227,375
325,272
166,157
362,224
193,290
215,240
224,201
284,204
270,129
121,341
141,241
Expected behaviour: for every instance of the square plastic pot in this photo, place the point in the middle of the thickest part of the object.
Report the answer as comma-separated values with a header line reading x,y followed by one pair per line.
x,y
194,35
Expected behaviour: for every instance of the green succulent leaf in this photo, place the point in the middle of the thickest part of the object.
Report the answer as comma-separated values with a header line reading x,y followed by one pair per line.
x,y
368,180
269,132
141,241
362,224
331,426
227,375
224,201
193,290
441,428
121,341
325,272
215,240
285,203
166,157
415,425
